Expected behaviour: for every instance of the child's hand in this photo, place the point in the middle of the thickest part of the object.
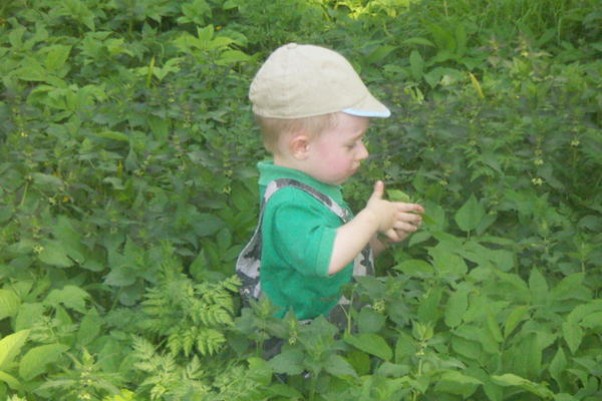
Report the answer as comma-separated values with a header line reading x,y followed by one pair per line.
x,y
396,220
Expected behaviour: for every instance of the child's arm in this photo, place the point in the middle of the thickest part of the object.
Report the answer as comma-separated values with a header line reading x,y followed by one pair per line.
x,y
394,219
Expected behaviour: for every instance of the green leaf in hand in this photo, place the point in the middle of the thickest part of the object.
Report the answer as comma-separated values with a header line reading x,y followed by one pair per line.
x,y
397,195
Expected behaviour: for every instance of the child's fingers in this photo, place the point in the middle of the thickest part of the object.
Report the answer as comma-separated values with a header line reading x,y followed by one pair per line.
x,y
409,207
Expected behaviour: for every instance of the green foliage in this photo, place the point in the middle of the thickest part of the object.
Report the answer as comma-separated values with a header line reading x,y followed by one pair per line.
x,y
127,187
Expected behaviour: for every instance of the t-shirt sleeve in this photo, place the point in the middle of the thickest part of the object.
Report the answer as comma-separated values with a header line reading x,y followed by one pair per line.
x,y
303,232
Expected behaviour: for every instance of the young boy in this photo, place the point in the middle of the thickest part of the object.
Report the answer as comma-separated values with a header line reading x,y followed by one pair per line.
x,y
313,110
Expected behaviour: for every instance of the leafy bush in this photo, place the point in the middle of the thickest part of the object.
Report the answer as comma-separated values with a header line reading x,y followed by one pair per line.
x,y
127,188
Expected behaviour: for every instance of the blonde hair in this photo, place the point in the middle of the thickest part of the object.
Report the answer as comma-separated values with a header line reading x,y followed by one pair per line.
x,y
273,128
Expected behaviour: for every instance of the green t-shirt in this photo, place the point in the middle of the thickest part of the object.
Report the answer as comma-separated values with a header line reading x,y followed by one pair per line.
x,y
298,234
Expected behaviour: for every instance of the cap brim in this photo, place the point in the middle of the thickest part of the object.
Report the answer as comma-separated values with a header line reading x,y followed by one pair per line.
x,y
368,113
368,107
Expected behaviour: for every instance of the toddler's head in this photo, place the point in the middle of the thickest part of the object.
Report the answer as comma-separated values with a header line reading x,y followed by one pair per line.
x,y
303,87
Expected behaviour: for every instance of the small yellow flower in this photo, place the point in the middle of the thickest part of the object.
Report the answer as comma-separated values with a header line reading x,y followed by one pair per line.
x,y
537,181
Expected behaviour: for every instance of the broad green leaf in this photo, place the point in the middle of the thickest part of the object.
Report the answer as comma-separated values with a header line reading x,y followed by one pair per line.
x,y
56,57
336,365
415,268
416,65
30,315
558,365
405,348
397,195
430,310
89,328
10,380
47,181
538,287
380,53
207,224
370,321
510,379
71,296
260,370
36,360
456,306
516,315
360,361
232,57
454,382
573,335
289,362
113,135
71,239
493,327
10,347
370,343
592,321
9,303
6,213
467,348
54,254
571,287
469,216
388,369
31,71
448,265
419,41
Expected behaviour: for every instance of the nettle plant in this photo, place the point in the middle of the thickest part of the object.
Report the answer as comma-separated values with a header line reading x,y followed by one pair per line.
x,y
127,187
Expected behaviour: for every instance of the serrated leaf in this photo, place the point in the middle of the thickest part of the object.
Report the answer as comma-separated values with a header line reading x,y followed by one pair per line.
x,y
538,286
592,321
416,65
510,379
456,307
517,315
558,365
397,195
9,303
370,343
573,334
71,296
10,380
571,287
114,135
470,214
454,382
54,254
10,347
415,268
419,41
89,328
336,365
289,362
56,57
36,360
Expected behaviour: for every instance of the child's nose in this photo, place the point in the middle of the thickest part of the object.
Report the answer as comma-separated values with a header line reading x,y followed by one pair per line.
x,y
363,152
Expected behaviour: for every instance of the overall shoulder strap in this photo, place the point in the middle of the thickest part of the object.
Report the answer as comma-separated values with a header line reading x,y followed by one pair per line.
x,y
325,199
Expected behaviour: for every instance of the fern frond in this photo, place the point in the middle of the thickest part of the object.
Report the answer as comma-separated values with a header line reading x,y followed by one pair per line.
x,y
210,341
215,315
144,349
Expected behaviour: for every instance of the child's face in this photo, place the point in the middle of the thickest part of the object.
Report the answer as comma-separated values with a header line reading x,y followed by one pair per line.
x,y
335,154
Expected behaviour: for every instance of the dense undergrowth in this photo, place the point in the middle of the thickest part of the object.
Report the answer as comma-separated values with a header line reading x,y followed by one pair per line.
x,y
127,188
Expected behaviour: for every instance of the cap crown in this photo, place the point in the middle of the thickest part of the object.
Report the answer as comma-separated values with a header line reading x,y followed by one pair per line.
x,y
299,81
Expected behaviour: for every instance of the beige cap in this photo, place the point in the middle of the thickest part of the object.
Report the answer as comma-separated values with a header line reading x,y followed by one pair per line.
x,y
299,81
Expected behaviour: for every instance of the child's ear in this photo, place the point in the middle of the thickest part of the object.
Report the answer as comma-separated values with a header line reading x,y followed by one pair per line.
x,y
299,146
